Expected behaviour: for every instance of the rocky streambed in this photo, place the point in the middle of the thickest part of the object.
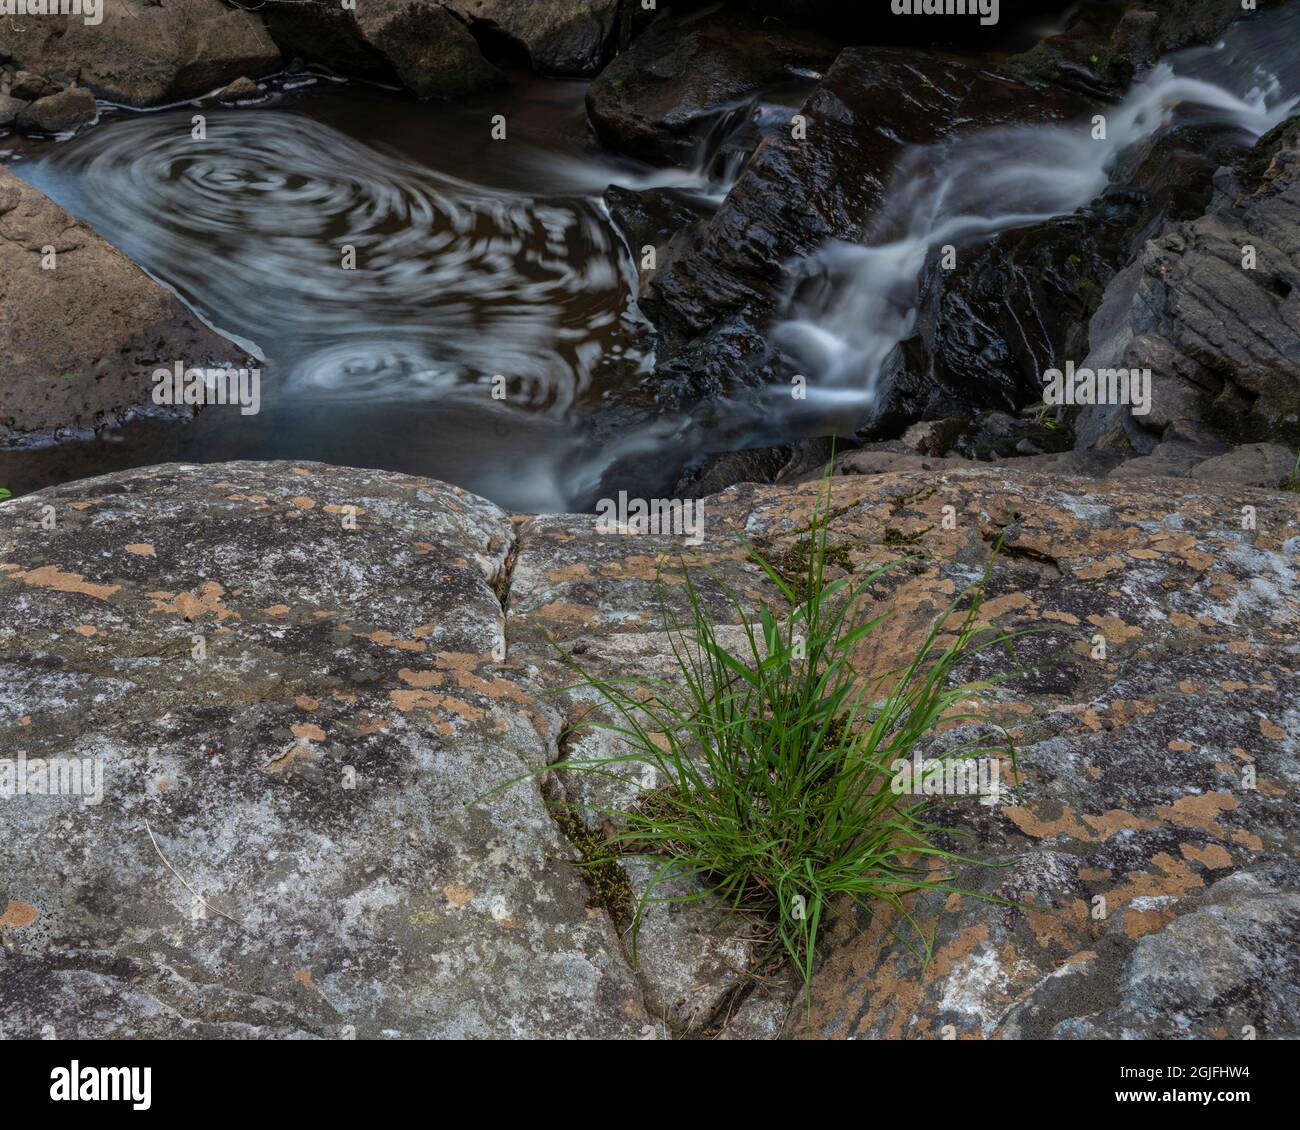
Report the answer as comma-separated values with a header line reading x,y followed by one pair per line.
x,y
518,257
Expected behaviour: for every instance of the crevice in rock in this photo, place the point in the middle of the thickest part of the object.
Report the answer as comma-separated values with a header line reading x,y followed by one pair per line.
x,y
495,44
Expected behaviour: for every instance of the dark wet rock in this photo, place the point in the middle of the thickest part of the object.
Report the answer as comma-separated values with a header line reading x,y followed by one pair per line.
x,y
784,463
145,53
936,437
30,87
660,99
558,37
1172,460
81,340
1233,376
1107,44
420,43
10,108
654,218
64,112
243,89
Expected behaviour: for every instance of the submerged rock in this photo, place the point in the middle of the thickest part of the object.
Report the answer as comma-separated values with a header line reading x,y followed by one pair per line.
x,y
145,53
83,339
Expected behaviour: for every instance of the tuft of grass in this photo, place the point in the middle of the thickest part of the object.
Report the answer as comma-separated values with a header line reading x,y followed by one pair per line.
x,y
1292,482
3,494
778,753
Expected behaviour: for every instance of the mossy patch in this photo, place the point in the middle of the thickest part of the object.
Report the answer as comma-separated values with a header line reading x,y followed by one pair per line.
x,y
605,878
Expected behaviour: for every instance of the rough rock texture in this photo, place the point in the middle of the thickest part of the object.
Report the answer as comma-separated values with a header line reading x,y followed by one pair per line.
x,y
58,113
82,339
10,108
418,42
659,100
1233,375
144,53
562,37
320,775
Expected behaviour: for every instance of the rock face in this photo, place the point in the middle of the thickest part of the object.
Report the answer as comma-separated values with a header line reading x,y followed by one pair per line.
x,y
295,837
418,42
58,113
81,339
659,99
561,37
1234,377
144,53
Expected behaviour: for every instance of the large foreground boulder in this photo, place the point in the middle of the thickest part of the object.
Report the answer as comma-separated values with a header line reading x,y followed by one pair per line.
x,y
302,683
84,328
144,53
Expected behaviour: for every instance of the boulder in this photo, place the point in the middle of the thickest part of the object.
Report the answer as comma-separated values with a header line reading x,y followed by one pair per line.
x,y
64,112
1251,465
660,99
145,53
420,43
1220,332
558,37
81,339
10,108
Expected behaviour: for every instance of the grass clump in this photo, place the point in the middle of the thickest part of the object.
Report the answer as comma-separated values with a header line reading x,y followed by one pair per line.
x,y
1291,482
776,755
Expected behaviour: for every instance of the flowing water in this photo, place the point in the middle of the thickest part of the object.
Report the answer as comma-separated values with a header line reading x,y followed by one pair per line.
x,y
479,259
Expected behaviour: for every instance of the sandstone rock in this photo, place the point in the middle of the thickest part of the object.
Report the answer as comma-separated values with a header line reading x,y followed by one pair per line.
x,y
419,42
658,100
64,112
82,340
561,37
243,89
10,108
1252,465
30,87
146,53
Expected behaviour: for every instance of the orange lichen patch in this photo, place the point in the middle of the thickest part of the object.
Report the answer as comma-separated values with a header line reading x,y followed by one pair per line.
x,y
568,573
18,915
339,696
1061,617
302,502
1115,820
306,702
1182,620
1123,710
141,549
303,977
387,639
1231,685
1191,688
86,630
194,604
456,894
566,613
1001,605
278,610
1180,746
308,731
25,720
1175,880
1065,824
1114,629
375,725
462,668
1213,856
424,547
1138,923
1247,839
52,577
1144,554
346,508
1271,730
1107,565
423,631
288,760
421,678
1094,874
88,503
1199,811
301,471
1053,925
406,701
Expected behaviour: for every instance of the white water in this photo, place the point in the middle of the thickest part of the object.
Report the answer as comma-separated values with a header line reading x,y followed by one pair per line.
x,y
864,300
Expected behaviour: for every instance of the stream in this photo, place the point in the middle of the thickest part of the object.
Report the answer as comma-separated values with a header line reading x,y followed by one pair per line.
x,y
480,259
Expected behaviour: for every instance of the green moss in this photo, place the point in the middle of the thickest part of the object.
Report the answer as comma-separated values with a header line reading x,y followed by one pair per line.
x,y
606,880
792,566
901,502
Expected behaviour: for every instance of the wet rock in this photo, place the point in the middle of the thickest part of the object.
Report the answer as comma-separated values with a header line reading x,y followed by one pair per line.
x,y
64,112
420,43
935,437
1231,375
30,87
659,100
653,218
81,341
243,89
1172,460
559,37
10,108
146,53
